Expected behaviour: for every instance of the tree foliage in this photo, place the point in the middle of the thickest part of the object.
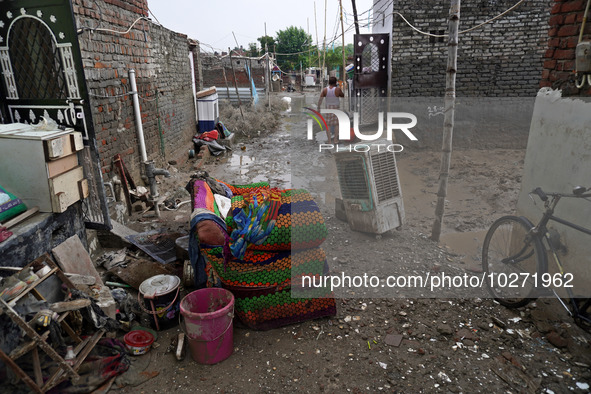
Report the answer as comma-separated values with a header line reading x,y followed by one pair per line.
x,y
270,41
253,50
334,56
293,43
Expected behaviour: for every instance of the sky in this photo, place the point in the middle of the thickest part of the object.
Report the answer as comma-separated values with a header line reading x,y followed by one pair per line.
x,y
212,22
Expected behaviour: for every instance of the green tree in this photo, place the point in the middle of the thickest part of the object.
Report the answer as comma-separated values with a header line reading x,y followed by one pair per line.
x,y
270,41
253,51
293,43
334,57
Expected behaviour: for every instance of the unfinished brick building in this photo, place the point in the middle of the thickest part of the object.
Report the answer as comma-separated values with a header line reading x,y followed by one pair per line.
x,y
503,58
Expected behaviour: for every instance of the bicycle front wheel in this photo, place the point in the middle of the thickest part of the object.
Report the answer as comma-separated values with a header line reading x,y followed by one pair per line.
x,y
512,259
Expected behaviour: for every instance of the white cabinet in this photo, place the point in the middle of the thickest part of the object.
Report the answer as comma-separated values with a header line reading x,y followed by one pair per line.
x,y
41,167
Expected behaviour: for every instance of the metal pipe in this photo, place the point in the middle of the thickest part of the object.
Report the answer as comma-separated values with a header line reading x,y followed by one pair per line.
x,y
138,116
151,173
584,21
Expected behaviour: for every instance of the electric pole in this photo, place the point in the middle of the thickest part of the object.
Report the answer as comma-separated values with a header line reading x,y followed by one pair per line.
x,y
448,121
355,17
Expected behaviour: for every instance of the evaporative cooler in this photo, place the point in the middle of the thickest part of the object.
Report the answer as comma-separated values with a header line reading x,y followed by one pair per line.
x,y
370,190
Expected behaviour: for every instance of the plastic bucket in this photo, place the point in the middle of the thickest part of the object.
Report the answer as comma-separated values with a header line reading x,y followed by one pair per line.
x,y
208,317
161,300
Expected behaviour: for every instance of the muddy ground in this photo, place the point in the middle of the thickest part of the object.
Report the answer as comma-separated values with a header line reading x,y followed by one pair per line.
x,y
448,344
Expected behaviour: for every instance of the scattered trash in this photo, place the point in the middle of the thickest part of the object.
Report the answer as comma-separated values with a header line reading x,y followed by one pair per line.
x,y
157,244
498,322
138,342
443,377
383,365
393,340
180,348
113,259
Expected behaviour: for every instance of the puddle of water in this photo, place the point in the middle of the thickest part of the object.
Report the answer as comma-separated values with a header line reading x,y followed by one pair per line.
x,y
240,160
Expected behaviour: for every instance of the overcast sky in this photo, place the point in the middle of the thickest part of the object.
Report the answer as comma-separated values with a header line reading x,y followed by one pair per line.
x,y
212,22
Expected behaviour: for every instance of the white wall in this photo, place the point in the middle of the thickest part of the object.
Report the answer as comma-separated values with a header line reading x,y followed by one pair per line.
x,y
558,157
382,24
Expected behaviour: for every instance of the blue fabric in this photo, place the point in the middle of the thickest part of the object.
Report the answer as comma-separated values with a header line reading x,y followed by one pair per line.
x,y
227,190
198,260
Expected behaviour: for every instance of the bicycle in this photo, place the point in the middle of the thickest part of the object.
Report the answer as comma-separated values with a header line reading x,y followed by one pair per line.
x,y
515,245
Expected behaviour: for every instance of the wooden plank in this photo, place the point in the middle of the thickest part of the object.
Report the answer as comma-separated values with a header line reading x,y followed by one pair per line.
x,y
74,259
66,327
19,372
64,306
31,287
64,190
38,339
206,92
63,145
78,279
26,347
59,166
22,217
37,367
82,351
83,190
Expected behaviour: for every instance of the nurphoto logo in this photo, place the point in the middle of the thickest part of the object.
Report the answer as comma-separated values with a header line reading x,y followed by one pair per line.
x,y
394,121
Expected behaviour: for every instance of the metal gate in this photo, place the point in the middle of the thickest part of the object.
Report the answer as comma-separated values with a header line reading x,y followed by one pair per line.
x,y
43,80
370,81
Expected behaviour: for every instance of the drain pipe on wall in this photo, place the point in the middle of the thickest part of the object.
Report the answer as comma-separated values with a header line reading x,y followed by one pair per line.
x,y
150,171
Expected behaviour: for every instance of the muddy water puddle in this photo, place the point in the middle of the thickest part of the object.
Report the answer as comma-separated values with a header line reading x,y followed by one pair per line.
x,y
467,245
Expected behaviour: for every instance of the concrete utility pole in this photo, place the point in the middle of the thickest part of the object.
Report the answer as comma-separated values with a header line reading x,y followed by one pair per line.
x,y
448,121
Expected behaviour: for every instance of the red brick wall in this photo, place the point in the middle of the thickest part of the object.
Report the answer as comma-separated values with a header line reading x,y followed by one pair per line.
x,y
215,78
563,35
160,58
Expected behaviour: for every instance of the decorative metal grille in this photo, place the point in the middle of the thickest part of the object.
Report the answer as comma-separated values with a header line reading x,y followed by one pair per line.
x,y
38,68
370,58
386,179
370,106
353,179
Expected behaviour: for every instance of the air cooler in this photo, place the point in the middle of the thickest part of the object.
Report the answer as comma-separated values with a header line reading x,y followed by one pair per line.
x,y
370,190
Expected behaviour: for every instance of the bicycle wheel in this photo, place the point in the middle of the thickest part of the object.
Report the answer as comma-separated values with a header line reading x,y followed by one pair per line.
x,y
510,258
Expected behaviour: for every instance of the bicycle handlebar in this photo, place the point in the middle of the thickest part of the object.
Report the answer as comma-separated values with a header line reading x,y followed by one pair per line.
x,y
540,193
544,196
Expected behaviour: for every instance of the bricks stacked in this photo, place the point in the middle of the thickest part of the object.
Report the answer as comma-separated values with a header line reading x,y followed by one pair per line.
x,y
214,76
160,59
563,35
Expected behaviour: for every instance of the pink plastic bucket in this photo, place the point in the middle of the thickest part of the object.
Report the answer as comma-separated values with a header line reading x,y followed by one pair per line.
x,y
208,317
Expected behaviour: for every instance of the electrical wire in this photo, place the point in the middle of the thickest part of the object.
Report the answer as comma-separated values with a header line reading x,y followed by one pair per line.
x,y
150,11
117,31
462,31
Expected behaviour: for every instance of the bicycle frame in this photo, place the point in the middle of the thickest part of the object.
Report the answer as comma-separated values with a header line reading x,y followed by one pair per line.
x,y
541,231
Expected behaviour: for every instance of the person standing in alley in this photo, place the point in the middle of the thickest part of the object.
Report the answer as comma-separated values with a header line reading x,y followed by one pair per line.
x,y
332,93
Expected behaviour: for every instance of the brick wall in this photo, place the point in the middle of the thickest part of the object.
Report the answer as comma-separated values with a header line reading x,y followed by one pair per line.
x,y
503,58
564,26
160,58
213,74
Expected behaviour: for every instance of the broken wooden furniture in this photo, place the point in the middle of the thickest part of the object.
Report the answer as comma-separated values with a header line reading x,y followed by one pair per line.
x,y
35,341
48,175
